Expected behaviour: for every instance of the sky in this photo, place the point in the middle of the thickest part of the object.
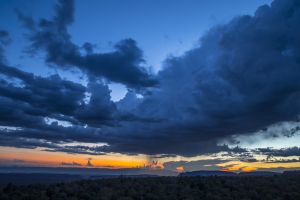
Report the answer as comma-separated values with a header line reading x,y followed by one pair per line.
x,y
164,85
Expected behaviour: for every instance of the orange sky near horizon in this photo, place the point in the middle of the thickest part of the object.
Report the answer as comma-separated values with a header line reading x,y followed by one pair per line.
x,y
252,166
45,158
39,157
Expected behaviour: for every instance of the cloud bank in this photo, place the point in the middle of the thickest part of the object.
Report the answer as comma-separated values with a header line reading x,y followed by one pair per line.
x,y
242,77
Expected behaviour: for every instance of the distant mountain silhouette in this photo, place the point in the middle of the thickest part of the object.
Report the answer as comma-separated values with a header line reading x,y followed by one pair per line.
x,y
44,178
295,172
259,173
208,173
224,173
87,171
33,178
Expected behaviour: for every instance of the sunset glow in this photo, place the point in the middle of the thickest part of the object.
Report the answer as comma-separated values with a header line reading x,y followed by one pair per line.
x,y
37,157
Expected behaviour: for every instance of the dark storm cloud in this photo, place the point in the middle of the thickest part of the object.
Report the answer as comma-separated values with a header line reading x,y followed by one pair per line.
x,y
283,152
283,160
52,94
243,77
132,143
52,97
27,100
19,142
100,109
57,134
123,65
79,149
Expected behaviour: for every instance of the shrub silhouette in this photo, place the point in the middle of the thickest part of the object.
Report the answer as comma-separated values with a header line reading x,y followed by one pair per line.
x,y
162,188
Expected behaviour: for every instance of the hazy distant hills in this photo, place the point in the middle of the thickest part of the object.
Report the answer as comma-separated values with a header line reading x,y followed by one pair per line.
x,y
207,173
40,178
259,173
28,178
223,173
31,175
87,171
296,172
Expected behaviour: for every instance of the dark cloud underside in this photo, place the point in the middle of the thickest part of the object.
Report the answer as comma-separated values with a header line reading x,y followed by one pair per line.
x,y
243,77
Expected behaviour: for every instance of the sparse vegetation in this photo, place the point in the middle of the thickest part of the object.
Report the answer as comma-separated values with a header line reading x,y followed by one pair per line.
x,y
162,188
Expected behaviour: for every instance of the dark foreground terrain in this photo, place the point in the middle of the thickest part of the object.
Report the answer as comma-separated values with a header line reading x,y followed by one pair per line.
x,y
160,188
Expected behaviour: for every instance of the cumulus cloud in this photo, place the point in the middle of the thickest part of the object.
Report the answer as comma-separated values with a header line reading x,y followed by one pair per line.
x,y
123,65
100,109
28,100
242,78
283,152
51,95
